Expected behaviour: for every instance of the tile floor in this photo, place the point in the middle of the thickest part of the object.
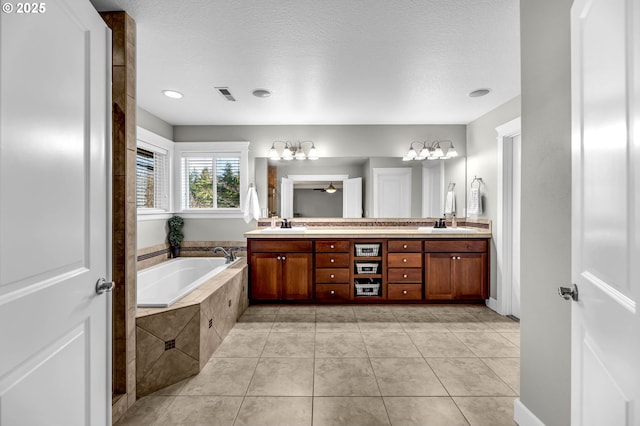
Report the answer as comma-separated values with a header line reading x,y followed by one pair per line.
x,y
351,365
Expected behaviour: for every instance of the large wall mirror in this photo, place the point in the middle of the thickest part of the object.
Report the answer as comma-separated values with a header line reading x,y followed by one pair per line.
x,y
373,187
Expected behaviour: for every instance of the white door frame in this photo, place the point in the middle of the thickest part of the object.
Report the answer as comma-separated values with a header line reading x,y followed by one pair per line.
x,y
287,190
504,223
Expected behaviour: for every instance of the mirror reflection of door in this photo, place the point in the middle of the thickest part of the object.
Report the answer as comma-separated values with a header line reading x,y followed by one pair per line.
x,y
392,192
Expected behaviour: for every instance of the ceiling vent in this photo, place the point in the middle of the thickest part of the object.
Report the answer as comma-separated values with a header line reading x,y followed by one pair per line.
x,y
224,91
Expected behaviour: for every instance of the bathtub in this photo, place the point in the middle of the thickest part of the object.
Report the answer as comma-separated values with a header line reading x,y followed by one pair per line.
x,y
161,285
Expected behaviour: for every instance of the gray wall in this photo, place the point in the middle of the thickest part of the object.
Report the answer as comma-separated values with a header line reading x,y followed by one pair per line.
x,y
151,232
546,209
154,124
482,161
312,203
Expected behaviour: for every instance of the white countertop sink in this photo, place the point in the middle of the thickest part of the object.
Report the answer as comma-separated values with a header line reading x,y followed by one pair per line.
x,y
458,230
294,230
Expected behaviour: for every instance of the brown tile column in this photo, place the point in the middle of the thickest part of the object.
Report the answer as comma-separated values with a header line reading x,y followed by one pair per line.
x,y
123,29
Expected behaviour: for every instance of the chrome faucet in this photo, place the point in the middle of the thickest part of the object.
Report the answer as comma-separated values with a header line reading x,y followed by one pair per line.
x,y
230,256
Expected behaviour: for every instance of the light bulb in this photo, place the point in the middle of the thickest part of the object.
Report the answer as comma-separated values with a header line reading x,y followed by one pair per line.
x,y
313,153
273,153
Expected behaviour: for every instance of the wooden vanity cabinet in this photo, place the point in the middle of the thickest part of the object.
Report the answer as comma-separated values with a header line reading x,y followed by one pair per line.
x,y
281,270
456,270
332,271
404,270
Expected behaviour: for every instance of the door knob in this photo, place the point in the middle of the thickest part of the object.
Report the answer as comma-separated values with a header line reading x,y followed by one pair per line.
x,y
102,285
569,292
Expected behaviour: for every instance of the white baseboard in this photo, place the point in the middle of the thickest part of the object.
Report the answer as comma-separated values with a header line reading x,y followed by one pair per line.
x,y
523,416
492,304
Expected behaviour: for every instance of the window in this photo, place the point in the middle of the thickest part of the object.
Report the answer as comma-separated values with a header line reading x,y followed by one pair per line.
x,y
212,178
152,180
211,182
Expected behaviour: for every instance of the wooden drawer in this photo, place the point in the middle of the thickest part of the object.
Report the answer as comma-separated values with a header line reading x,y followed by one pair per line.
x,y
405,246
404,291
332,246
286,246
456,246
404,260
404,275
331,292
332,260
332,275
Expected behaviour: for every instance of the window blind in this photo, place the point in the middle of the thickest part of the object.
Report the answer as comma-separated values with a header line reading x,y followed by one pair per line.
x,y
210,181
152,180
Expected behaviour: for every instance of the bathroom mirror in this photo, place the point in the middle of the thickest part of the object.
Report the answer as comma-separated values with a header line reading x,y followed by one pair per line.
x,y
390,187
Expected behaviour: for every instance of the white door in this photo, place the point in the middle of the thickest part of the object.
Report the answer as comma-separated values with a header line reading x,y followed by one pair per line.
x,y
286,198
432,191
392,192
605,347
55,352
352,197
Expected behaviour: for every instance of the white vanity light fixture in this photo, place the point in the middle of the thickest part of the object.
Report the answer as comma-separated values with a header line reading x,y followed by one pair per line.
x,y
173,94
432,151
291,150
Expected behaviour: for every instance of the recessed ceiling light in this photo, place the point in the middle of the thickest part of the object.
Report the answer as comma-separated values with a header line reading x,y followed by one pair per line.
x,y
261,93
172,94
479,92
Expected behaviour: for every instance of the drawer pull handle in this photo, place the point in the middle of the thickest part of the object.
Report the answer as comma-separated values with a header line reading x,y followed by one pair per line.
x,y
332,276
333,260
404,291
332,246
404,246
332,292
404,276
404,260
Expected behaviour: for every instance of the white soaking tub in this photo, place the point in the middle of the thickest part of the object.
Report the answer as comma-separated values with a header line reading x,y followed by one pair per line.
x,y
161,285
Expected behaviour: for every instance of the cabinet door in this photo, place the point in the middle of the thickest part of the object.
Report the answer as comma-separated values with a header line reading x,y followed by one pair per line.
x,y
469,276
439,285
296,276
266,274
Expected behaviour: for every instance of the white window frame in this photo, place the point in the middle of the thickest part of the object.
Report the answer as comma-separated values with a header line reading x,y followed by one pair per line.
x,y
190,149
150,141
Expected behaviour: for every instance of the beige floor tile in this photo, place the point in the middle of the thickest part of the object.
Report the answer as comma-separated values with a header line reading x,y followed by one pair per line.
x,y
437,327
293,327
406,377
284,345
344,377
282,377
436,345
251,326
222,376
487,411
489,344
468,377
451,316
275,411
334,327
242,345
171,390
413,315
146,411
506,326
424,411
508,369
366,326
349,411
201,411
340,345
513,337
467,326
297,310
346,316
262,309
390,345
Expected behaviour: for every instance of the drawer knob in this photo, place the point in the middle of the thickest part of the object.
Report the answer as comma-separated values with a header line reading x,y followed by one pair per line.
x,y
404,260
333,260
458,258
404,292
332,292
284,258
404,246
404,276
332,246
279,258
332,276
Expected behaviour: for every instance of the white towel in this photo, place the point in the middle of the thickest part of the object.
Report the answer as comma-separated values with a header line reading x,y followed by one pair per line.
x,y
450,203
475,202
251,205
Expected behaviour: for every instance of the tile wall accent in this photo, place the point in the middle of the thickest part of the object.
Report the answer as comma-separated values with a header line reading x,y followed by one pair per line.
x,y
364,222
150,256
176,342
123,79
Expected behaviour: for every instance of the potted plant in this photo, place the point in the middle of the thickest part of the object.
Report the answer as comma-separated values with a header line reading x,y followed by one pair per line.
x,y
175,236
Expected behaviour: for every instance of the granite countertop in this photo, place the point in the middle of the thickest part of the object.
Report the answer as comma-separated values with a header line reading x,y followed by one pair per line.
x,y
369,232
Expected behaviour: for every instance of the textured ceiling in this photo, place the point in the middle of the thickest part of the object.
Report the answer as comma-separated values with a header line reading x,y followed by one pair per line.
x,y
326,61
